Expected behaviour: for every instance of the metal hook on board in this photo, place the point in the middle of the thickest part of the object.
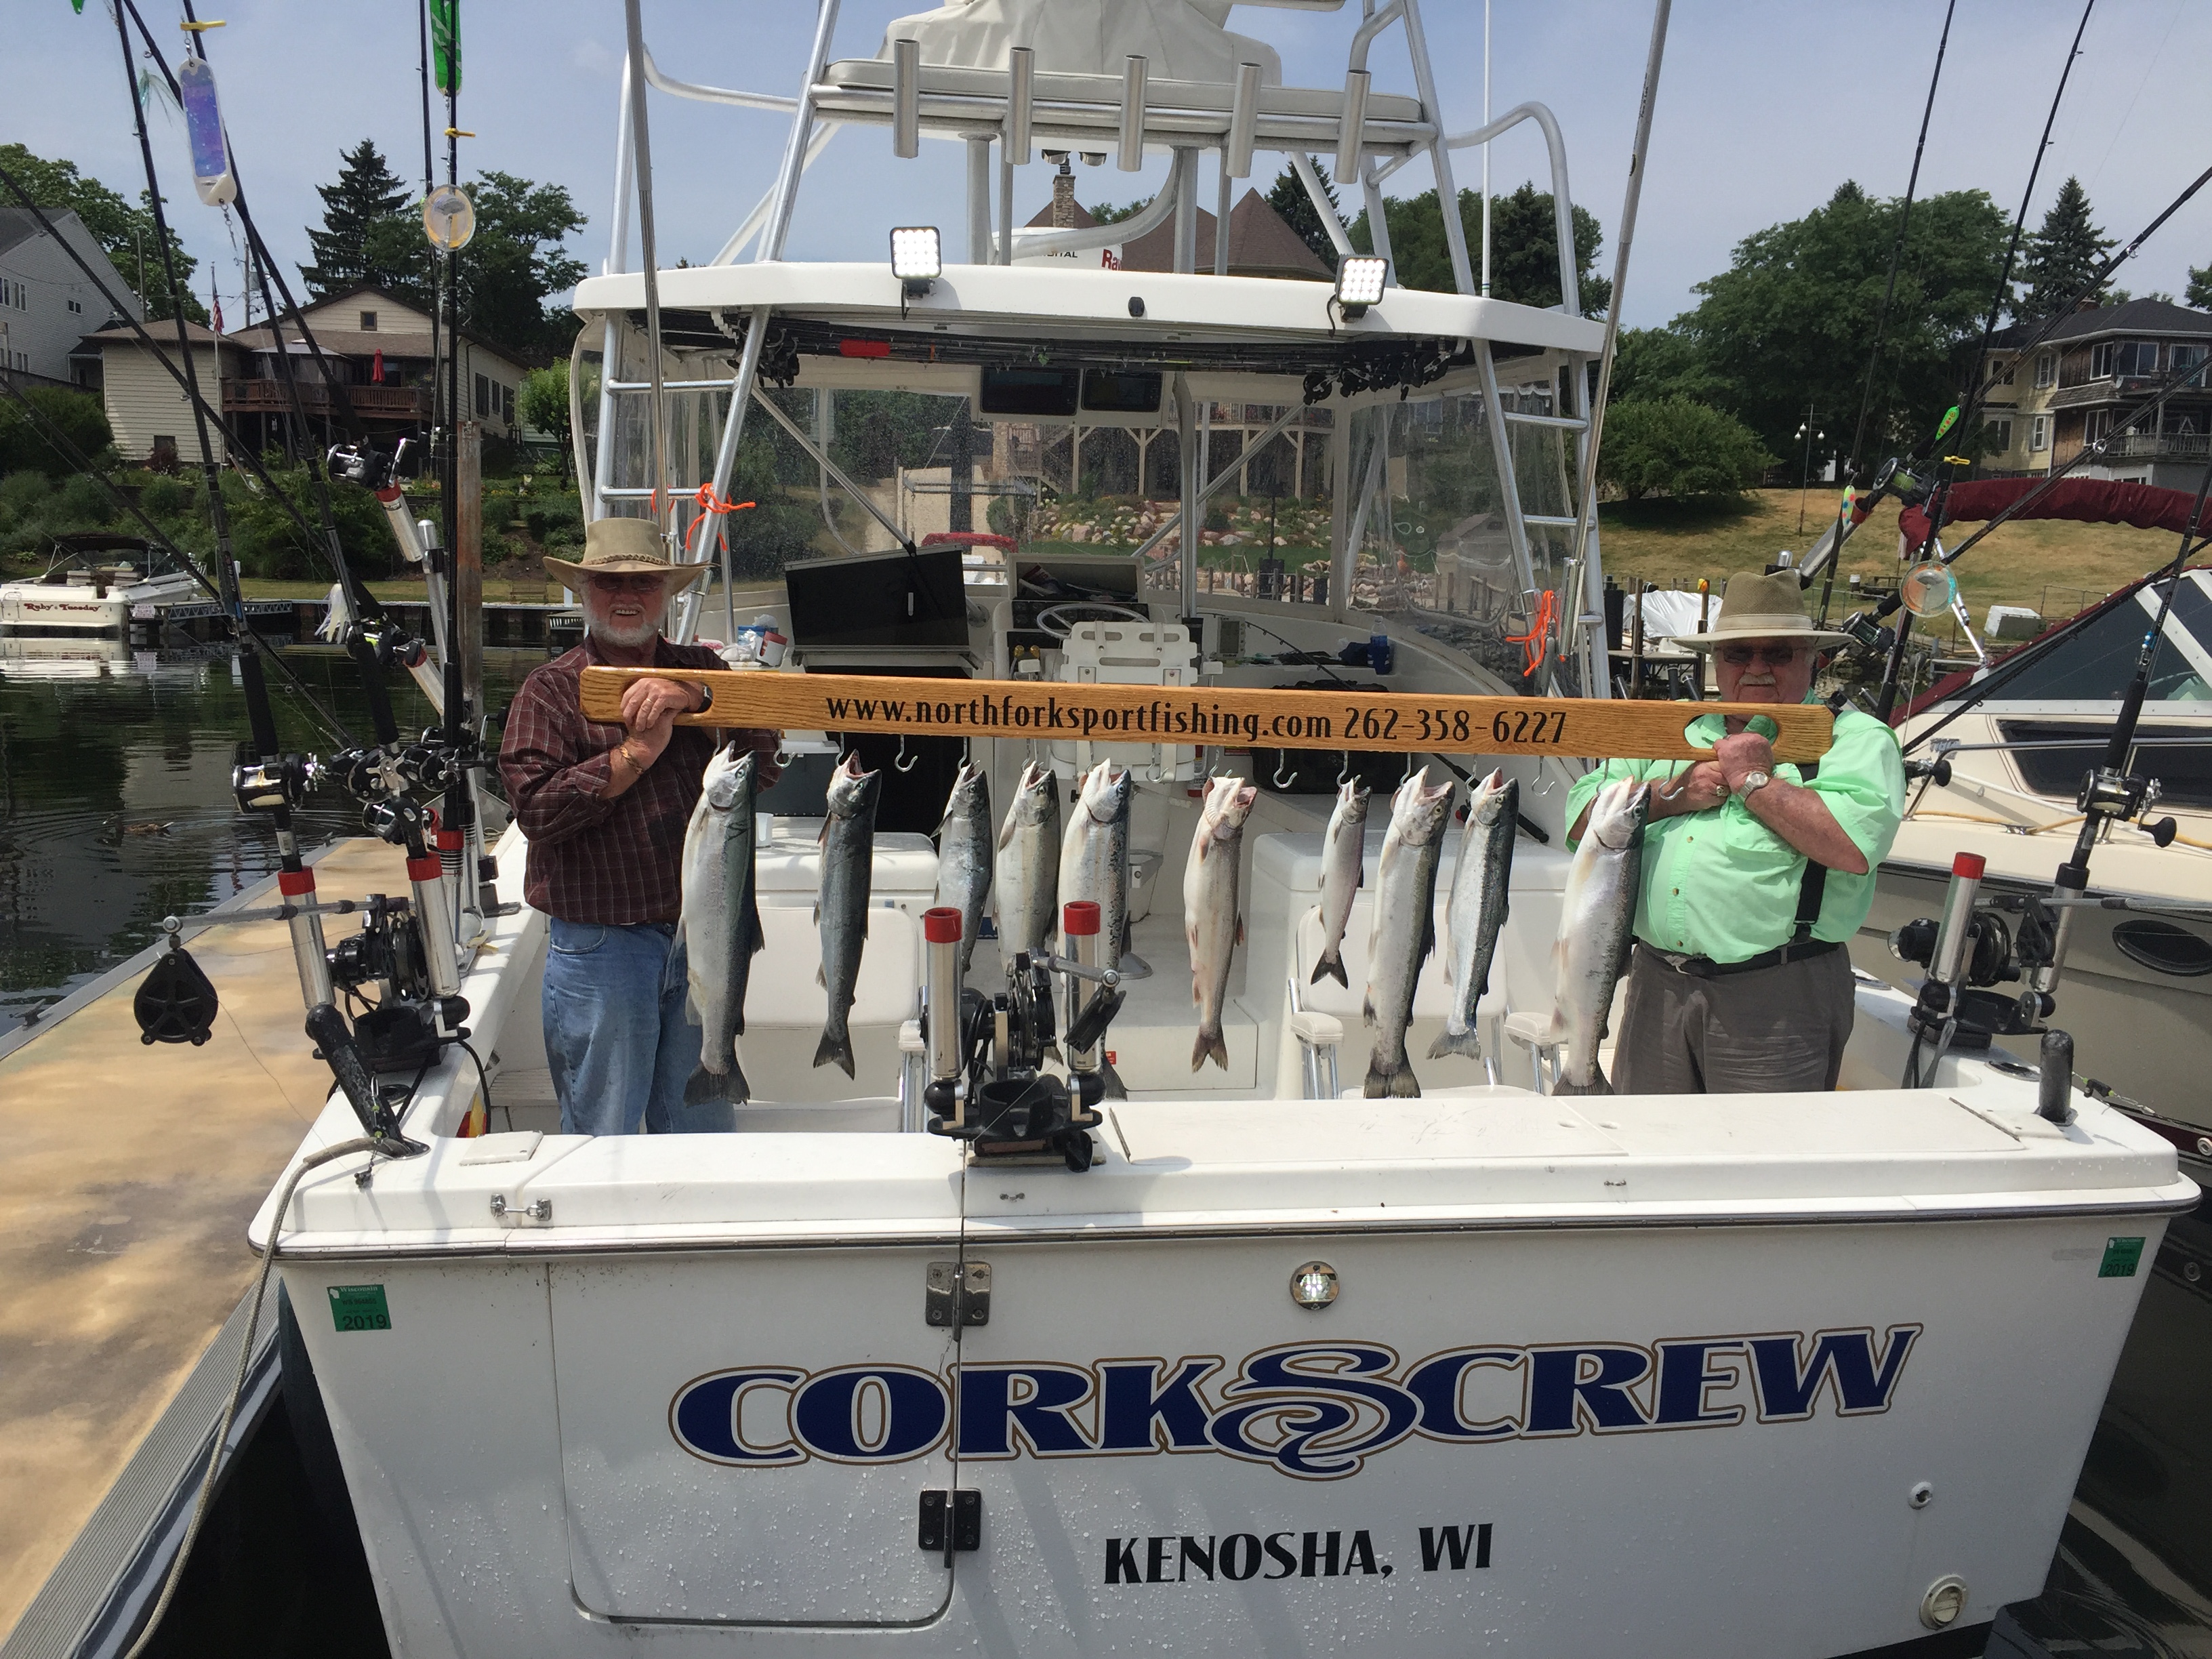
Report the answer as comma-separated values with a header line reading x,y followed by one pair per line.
x,y
1283,778
903,761
1409,772
1344,772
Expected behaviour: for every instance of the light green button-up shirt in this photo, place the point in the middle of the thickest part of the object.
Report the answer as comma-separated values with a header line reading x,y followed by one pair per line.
x,y
1720,883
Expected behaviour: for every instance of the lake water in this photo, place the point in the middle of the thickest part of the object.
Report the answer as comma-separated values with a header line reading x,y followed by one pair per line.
x,y
115,803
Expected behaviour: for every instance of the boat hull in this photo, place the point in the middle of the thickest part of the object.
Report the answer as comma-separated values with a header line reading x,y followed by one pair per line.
x,y
1693,1440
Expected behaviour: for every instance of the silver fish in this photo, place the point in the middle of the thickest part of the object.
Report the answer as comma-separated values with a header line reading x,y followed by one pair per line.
x,y
720,922
1094,856
1027,880
841,905
1405,928
1209,908
964,854
1476,909
1597,927
1343,863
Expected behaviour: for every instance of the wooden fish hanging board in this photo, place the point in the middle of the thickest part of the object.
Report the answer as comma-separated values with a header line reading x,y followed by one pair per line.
x,y
1232,716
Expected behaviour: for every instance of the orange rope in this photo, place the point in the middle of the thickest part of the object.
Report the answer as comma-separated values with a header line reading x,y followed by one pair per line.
x,y
1540,630
711,506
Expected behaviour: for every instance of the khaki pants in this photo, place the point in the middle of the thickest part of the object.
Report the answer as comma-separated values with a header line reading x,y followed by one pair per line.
x,y
1780,1029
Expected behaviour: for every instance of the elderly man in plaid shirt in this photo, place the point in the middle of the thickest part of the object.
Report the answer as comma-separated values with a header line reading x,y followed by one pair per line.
x,y
605,808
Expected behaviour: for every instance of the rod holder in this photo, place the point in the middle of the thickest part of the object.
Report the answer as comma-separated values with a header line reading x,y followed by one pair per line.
x,y
433,916
1244,121
1021,83
1353,124
2054,1089
308,950
1079,923
406,530
1130,156
1955,937
940,931
906,98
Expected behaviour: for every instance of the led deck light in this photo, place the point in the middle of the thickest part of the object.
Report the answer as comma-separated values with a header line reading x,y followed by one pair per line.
x,y
917,257
1359,280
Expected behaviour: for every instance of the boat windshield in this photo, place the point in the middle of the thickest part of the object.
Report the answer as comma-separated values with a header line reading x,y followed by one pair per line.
x,y
2095,663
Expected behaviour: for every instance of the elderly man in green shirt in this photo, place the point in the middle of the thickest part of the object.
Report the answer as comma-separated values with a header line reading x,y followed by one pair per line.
x,y
1756,873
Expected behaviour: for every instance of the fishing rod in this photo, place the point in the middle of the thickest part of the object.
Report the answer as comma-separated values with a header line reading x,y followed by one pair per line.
x,y
63,445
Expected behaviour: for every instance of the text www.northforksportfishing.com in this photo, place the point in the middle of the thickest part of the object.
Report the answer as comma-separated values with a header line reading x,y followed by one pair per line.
x,y
1164,718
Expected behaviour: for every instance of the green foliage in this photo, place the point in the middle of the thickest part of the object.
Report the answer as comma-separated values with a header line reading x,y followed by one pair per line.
x,y
366,195
1287,196
1524,246
1674,446
2198,294
544,404
164,498
2063,257
1791,319
82,499
879,432
1107,213
1650,363
123,231
23,446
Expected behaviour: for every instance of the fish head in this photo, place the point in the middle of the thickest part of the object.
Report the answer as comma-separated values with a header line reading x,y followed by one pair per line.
x,y
1417,810
1496,797
729,777
1229,803
1352,801
852,791
1617,816
1036,800
970,797
1106,792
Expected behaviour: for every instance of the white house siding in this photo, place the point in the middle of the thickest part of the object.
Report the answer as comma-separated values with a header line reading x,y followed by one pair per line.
x,y
144,403
38,286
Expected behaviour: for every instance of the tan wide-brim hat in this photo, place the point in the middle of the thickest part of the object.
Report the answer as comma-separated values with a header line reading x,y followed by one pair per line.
x,y
1759,607
626,547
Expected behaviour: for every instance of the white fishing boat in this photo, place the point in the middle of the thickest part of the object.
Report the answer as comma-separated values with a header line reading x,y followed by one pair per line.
x,y
2002,762
1243,1361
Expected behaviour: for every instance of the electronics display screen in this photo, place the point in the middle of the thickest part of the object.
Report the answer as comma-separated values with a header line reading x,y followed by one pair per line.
x,y
1122,391
1029,391
906,601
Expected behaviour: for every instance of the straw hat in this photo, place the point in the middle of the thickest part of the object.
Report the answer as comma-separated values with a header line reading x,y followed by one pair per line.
x,y
626,547
1756,607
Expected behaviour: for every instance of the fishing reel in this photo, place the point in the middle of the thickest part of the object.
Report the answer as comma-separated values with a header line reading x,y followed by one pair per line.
x,y
1975,948
403,1031
381,642
991,1090
260,785
372,468
2110,796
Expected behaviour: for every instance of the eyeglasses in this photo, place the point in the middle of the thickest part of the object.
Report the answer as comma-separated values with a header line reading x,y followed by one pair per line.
x,y
625,584
1777,656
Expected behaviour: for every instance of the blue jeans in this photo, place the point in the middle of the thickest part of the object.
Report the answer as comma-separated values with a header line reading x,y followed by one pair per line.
x,y
617,1036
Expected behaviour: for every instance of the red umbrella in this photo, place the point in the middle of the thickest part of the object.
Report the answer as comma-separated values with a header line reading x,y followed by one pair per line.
x,y
376,368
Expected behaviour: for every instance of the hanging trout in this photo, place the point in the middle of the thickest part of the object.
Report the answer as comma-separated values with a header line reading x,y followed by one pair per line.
x,y
1343,863
1405,929
1476,909
1597,927
720,922
1209,909
1094,856
841,906
964,855
1027,880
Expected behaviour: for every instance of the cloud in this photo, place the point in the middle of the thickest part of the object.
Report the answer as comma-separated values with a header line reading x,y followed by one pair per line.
x,y
594,58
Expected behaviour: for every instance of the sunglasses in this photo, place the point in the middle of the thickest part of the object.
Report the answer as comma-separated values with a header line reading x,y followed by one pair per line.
x,y
625,584
1776,656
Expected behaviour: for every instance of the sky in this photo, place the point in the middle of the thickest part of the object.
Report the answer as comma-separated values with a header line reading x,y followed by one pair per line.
x,y
1764,107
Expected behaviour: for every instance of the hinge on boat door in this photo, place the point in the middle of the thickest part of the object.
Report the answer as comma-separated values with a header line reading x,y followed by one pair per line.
x,y
958,1296
966,1529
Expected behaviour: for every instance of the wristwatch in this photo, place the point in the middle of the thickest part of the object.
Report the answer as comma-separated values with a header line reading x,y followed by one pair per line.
x,y
1753,781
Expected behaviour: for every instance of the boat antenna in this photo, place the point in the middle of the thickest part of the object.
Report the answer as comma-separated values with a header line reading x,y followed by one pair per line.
x,y
1887,701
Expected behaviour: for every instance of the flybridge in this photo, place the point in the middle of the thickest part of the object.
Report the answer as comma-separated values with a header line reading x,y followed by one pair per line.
x,y
1314,1411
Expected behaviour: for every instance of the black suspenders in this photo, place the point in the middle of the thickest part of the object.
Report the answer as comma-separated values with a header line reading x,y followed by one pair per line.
x,y
1813,888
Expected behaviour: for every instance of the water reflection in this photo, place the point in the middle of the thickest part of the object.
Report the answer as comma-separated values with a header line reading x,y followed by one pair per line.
x,y
115,805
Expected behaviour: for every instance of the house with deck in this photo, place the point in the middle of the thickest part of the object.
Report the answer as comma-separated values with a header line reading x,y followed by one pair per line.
x,y
2080,386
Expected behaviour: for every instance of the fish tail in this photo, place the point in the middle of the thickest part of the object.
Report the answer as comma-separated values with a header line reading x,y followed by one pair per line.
x,y
1332,964
1596,1085
704,1085
1448,1042
1386,1079
1116,1090
1212,1045
837,1044
1404,1085
740,1090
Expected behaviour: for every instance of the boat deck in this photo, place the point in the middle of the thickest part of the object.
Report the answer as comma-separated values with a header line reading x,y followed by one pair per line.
x,y
129,1177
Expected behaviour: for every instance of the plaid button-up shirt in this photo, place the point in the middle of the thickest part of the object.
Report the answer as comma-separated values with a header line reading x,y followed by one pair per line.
x,y
611,861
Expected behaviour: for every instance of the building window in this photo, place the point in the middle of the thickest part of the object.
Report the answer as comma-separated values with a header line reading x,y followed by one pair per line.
x,y
2098,427
77,306
2000,371
368,322
2183,355
1999,436
13,292
2046,370
2038,433
506,405
2123,358
483,397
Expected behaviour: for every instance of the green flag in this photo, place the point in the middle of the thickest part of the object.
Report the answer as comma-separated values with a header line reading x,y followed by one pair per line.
x,y
445,43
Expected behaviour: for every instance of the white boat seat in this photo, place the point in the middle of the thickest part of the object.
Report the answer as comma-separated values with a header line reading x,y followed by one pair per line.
x,y
783,993
1174,110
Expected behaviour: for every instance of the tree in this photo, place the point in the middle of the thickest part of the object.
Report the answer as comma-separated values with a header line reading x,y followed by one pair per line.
x,y
2199,292
1287,196
367,196
516,260
1794,315
544,404
125,234
23,445
2063,257
1524,246
1651,363
1674,446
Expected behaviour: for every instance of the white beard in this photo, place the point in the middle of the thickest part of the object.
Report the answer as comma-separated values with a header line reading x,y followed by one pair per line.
x,y
623,635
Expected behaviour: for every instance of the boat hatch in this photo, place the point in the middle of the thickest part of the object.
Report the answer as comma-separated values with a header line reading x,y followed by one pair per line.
x,y
745,1439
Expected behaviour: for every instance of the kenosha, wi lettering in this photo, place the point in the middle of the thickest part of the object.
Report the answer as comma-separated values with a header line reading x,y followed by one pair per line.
x,y
1314,1411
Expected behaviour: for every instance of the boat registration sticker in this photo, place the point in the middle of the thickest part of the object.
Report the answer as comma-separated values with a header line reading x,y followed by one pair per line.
x,y
362,1307
2122,1256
